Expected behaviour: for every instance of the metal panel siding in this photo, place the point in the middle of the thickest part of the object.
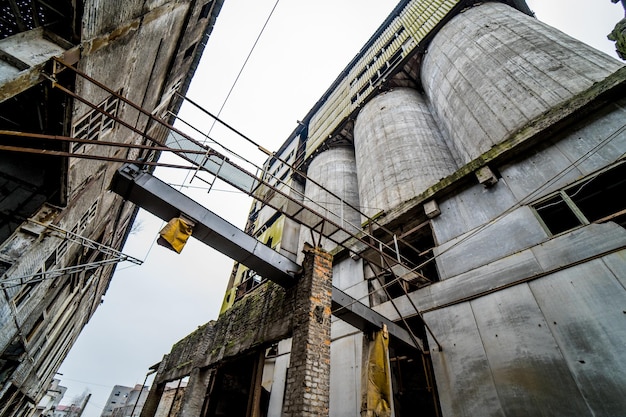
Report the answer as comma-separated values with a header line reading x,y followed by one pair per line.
x,y
587,241
278,385
471,208
583,307
464,381
616,262
418,18
520,230
528,182
524,358
345,376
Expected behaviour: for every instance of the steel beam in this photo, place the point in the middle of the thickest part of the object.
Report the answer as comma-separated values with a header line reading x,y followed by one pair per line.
x,y
166,203
365,319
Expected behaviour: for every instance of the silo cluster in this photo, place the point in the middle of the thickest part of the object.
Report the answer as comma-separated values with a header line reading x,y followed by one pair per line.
x,y
488,72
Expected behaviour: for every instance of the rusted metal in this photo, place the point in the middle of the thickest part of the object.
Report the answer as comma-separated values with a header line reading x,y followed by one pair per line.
x,y
157,120
95,142
48,152
370,220
364,238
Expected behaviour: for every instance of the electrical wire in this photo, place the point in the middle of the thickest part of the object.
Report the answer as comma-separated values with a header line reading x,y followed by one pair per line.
x,y
243,66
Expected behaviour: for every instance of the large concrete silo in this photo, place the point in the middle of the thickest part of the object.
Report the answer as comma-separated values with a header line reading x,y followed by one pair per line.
x,y
331,190
492,69
399,149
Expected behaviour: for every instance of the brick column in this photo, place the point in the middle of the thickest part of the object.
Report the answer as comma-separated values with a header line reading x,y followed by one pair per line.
x,y
308,376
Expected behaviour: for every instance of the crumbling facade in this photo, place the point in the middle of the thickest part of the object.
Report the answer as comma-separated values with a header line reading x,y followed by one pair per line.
x,y
60,229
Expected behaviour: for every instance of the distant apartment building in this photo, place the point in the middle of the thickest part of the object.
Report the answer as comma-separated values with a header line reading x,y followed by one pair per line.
x,y
125,401
50,401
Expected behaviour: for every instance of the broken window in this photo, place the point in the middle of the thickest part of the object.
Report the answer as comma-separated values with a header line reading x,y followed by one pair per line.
x,y
204,13
250,280
94,124
414,248
597,198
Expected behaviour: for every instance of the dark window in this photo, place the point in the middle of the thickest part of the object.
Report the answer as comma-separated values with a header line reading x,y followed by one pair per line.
x,y
204,13
94,124
557,215
189,51
598,198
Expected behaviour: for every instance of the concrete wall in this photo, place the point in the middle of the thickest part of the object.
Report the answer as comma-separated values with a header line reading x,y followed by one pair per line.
x,y
504,353
518,308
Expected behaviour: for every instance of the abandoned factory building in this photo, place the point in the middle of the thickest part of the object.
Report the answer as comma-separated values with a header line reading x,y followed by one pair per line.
x,y
461,185
443,234
100,73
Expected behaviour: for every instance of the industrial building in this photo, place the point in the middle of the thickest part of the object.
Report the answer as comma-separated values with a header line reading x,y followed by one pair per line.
x,y
462,183
84,87
125,401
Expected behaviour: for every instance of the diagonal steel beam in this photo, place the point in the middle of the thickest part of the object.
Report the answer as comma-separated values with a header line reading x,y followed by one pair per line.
x,y
364,318
165,202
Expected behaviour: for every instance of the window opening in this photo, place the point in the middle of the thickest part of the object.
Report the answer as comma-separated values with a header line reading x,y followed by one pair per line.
x,y
35,328
250,280
412,377
557,215
189,51
204,13
230,393
595,199
94,125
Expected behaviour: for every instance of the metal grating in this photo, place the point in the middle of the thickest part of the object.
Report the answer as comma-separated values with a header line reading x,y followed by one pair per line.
x,y
18,16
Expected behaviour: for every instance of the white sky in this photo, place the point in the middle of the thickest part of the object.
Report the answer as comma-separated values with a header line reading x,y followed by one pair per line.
x,y
303,49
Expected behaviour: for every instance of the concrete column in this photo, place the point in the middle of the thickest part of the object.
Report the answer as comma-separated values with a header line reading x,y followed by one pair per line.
x,y
308,376
152,402
195,392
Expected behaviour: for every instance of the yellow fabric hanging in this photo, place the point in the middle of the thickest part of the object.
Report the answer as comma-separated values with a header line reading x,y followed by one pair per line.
x,y
175,234
379,376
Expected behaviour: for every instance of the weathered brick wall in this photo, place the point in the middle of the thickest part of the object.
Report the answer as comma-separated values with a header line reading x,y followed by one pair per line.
x,y
308,377
262,317
267,315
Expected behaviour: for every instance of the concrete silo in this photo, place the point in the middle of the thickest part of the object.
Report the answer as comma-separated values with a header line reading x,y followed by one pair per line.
x,y
399,149
492,69
332,191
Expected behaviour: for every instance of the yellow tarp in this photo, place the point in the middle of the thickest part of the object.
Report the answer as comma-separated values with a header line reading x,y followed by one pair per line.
x,y
379,376
175,234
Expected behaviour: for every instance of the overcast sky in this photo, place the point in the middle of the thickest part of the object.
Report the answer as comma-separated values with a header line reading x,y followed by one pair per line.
x,y
304,47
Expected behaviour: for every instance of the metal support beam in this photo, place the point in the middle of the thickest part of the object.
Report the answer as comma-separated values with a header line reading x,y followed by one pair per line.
x,y
364,318
165,202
